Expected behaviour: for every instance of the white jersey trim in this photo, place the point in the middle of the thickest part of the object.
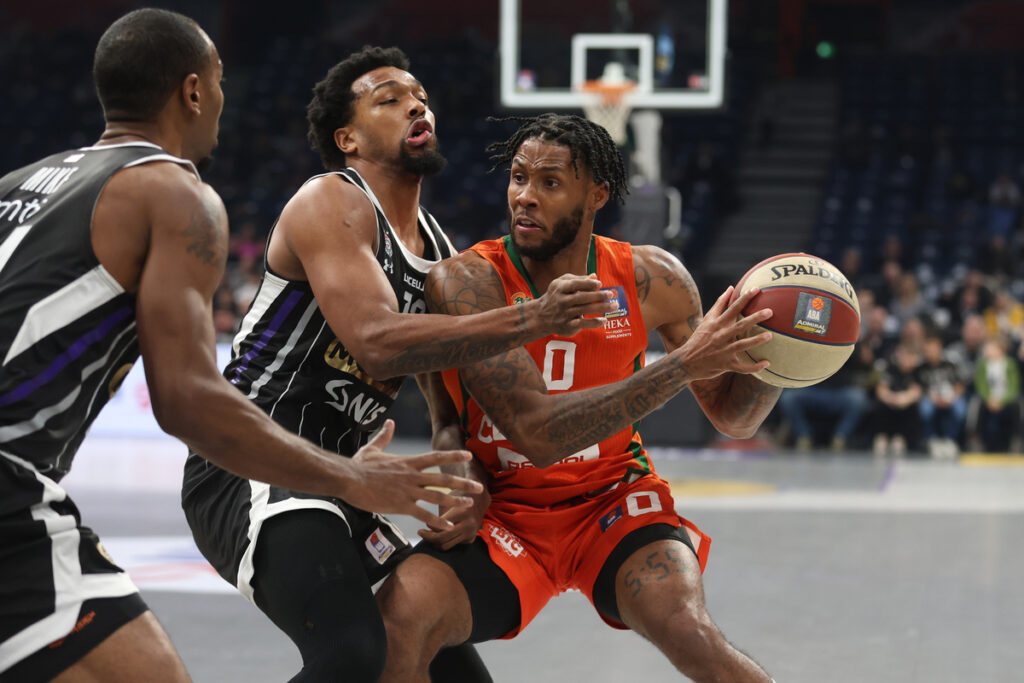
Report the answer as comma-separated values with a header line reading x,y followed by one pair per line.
x,y
69,303
165,157
419,263
283,353
269,291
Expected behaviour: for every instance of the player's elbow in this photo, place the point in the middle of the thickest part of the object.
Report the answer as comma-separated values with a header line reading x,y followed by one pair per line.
x,y
537,449
181,408
171,410
737,430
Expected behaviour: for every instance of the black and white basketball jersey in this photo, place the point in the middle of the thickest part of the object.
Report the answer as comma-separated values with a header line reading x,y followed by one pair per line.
x,y
286,358
67,328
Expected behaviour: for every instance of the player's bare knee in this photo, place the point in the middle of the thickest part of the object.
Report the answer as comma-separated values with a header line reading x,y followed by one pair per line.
x,y
418,620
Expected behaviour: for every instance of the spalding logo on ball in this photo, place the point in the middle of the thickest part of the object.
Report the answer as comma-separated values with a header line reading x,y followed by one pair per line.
x,y
815,321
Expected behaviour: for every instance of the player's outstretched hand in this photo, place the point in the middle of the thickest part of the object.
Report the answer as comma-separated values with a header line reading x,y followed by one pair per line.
x,y
571,297
394,483
466,520
720,340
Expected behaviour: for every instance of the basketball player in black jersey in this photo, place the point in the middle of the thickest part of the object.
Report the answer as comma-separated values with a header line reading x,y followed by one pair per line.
x,y
335,326
107,252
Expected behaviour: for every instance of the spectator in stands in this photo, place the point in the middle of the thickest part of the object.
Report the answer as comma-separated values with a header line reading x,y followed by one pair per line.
x,y
851,264
943,406
1003,205
842,396
1003,202
997,382
898,393
246,244
1005,316
908,302
880,333
972,297
965,351
913,333
885,284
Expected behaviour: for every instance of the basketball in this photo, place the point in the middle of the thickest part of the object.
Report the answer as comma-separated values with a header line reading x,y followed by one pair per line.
x,y
815,321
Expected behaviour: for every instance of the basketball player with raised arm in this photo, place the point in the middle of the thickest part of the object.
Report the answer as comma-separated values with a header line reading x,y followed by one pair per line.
x,y
107,252
574,499
339,319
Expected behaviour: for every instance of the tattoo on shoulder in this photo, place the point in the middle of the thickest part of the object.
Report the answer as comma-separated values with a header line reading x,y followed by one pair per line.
x,y
204,239
643,282
463,288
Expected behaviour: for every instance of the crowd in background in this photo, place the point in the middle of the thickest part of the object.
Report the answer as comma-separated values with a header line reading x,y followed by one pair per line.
x,y
934,372
938,366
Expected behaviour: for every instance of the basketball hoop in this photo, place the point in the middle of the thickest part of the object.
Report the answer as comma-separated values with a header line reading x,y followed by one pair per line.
x,y
612,111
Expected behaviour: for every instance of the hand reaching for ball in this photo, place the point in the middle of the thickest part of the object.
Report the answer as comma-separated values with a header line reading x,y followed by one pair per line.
x,y
720,341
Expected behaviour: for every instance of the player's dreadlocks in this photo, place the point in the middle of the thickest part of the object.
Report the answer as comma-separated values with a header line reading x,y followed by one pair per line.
x,y
586,141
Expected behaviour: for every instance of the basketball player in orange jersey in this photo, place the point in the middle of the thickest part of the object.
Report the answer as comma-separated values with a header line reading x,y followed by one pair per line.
x,y
338,320
574,501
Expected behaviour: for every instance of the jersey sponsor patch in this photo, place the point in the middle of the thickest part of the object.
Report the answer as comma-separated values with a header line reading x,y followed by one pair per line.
x,y
505,539
520,298
612,517
379,546
813,313
620,301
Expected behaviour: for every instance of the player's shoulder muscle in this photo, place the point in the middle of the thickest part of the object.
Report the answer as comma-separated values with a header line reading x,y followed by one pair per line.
x,y
329,206
463,284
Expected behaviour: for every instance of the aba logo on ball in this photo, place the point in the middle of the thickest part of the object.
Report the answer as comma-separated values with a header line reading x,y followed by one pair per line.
x,y
815,318
812,313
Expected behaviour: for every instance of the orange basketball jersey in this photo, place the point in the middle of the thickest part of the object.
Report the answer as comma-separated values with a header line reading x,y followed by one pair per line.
x,y
591,358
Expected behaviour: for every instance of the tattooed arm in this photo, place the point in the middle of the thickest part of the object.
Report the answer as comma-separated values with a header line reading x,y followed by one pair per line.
x,y
735,403
162,234
546,428
327,235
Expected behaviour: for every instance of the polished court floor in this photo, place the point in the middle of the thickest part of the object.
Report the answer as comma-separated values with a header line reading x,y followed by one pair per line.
x,y
825,568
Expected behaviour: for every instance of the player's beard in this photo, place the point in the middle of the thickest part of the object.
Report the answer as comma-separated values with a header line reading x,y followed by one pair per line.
x,y
427,162
562,235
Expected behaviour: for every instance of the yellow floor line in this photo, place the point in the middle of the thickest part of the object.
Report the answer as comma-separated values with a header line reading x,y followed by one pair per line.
x,y
717,487
992,459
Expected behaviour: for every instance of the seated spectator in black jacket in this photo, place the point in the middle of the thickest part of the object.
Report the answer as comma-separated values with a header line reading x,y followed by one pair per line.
x,y
898,393
943,405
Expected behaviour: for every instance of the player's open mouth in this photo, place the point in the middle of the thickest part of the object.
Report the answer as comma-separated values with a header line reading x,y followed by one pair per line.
x,y
524,222
419,133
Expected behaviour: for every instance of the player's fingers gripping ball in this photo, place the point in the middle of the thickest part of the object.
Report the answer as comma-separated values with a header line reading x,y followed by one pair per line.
x,y
815,321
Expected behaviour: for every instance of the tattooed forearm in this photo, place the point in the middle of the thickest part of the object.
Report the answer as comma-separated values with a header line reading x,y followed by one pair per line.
x,y
573,421
464,288
740,402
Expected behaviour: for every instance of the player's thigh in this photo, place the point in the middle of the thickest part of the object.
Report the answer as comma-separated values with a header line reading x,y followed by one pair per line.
x,y
138,652
450,596
659,591
424,601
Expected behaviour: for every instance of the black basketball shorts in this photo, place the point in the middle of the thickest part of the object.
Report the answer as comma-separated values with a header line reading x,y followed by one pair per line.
x,y
60,593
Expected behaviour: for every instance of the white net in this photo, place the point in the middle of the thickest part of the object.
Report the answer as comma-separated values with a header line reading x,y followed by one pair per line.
x,y
612,114
611,110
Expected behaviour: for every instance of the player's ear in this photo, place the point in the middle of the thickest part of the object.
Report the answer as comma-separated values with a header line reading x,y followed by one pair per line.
x,y
190,93
597,197
345,139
